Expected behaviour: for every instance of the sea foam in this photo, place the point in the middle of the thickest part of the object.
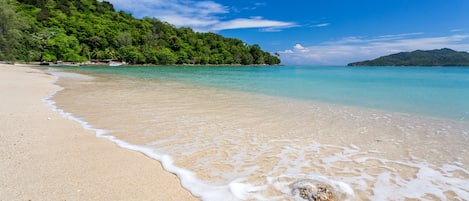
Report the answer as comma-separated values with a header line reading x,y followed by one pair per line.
x,y
232,191
362,155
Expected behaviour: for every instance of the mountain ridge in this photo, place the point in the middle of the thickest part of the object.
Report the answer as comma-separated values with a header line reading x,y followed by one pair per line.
x,y
436,57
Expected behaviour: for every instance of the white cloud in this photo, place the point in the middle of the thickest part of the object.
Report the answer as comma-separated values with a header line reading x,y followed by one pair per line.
x,y
255,6
395,36
299,47
352,49
250,23
322,25
456,30
200,15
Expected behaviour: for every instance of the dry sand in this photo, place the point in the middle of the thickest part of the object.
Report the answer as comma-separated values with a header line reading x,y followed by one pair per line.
x,y
45,156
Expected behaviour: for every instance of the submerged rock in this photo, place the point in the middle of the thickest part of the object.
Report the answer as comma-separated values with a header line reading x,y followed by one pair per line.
x,y
313,192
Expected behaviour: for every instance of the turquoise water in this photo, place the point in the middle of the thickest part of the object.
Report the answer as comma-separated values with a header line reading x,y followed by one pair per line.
x,y
441,92
263,133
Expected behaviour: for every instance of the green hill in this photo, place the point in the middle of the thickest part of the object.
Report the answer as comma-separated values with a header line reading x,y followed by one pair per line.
x,y
441,57
82,30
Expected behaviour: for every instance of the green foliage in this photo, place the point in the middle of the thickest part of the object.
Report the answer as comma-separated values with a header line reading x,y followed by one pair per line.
x,y
80,30
64,47
441,57
166,56
15,42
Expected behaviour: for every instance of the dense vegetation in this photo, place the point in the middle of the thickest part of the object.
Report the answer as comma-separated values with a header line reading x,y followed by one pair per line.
x,y
441,57
85,30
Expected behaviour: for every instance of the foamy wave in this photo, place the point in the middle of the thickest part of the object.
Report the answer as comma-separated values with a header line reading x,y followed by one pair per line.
x,y
232,191
355,172
62,74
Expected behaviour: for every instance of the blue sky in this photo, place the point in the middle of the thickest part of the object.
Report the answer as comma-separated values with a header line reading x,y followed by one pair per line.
x,y
320,32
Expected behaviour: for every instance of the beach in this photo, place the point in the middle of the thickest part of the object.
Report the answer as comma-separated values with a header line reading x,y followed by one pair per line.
x,y
46,156
103,133
234,133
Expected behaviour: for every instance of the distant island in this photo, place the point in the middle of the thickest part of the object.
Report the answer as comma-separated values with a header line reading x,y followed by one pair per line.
x,y
438,57
84,31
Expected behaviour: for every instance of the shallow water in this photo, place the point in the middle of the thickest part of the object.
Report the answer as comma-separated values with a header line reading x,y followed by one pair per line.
x,y
234,137
430,91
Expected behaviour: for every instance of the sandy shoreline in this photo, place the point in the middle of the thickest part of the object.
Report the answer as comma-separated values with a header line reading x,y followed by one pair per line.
x,y
48,157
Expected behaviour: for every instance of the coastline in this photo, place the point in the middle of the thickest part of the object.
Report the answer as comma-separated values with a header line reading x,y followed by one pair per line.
x,y
45,156
102,64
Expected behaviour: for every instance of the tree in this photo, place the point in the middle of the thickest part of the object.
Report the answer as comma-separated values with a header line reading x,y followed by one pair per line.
x,y
37,3
44,14
124,39
166,56
61,47
42,39
150,54
85,50
247,59
175,43
257,54
30,50
9,31
76,30
128,54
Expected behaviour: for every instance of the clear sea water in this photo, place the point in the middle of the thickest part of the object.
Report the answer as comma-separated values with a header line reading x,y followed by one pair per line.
x,y
433,91
259,133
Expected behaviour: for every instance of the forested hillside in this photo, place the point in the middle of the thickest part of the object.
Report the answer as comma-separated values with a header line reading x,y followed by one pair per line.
x,y
440,57
86,30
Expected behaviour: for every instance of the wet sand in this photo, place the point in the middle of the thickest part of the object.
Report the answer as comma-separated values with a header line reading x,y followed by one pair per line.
x,y
48,157
261,146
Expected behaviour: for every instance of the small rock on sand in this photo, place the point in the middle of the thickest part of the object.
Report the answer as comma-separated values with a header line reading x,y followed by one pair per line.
x,y
313,191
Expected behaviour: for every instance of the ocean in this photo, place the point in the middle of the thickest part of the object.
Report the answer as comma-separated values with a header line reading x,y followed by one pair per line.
x,y
263,132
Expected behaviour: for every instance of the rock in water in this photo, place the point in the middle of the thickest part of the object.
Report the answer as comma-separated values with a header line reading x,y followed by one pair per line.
x,y
307,190
324,193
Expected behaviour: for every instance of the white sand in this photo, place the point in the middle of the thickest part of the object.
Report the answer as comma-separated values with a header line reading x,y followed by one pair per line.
x,y
45,156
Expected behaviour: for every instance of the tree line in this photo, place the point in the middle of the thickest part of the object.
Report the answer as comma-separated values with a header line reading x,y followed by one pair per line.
x,y
437,57
87,30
